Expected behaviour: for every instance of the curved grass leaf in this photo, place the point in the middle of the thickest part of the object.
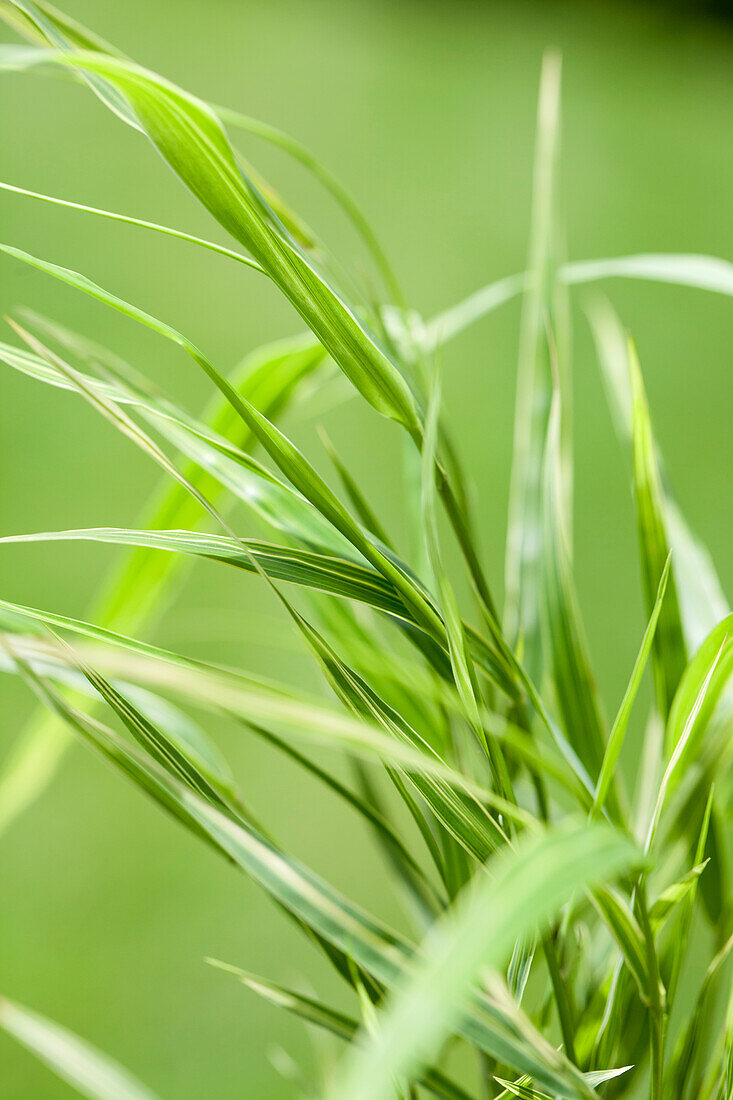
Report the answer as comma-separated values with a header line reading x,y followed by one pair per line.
x,y
58,30
701,272
686,729
88,1071
618,730
372,946
525,889
255,701
332,575
716,654
319,1015
290,461
140,223
534,385
626,931
189,136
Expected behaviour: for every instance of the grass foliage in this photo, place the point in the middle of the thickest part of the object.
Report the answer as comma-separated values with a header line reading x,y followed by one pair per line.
x,y
569,931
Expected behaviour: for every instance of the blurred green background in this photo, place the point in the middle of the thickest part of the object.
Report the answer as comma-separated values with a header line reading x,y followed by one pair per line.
x,y
426,112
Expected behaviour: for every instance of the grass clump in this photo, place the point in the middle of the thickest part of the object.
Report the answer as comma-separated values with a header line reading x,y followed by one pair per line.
x,y
549,907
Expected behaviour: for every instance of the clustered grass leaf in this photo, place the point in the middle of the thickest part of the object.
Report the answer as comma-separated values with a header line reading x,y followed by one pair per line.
x,y
532,926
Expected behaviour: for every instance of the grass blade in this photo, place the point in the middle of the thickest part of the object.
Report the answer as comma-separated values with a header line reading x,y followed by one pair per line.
x,y
572,674
525,889
534,384
668,650
618,730
87,1070
319,1015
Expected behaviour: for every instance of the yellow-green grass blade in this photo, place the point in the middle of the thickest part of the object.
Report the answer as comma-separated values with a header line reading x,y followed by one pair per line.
x,y
525,889
271,499
332,575
678,269
669,655
620,725
86,1070
293,714
715,653
289,459
314,1012
139,589
139,222
374,947
189,136
691,1039
464,673
705,680
573,679
215,463
48,24
619,918
534,385
701,598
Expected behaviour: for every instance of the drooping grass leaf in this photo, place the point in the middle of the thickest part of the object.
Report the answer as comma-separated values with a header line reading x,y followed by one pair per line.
x,y
88,1071
525,889
381,953
128,220
255,701
702,272
52,26
291,461
319,1015
191,139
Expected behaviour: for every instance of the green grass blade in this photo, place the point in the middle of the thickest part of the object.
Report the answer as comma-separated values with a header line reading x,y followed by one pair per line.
x,y
685,1055
698,272
573,679
524,890
534,384
668,650
716,652
319,1015
139,222
702,603
371,945
290,461
626,931
189,136
56,29
88,1071
686,732
255,701
618,730
464,673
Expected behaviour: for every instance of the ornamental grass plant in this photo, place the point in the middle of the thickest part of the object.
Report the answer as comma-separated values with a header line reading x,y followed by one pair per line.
x,y
550,904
